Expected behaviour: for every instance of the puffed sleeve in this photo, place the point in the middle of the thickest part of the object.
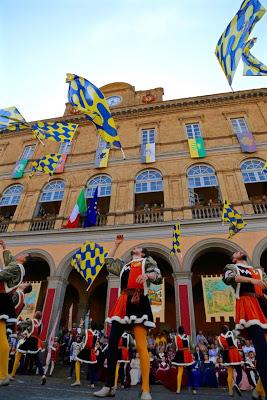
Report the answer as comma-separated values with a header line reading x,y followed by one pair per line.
x,y
151,266
230,272
114,265
8,258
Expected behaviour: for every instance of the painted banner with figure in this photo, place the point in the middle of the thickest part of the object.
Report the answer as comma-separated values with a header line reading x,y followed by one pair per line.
x,y
156,295
31,300
219,299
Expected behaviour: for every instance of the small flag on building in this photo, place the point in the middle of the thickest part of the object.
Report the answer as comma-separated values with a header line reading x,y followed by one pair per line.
x,y
92,212
176,239
264,169
148,151
89,260
78,210
46,164
18,171
231,215
61,165
102,157
11,119
197,148
55,131
252,66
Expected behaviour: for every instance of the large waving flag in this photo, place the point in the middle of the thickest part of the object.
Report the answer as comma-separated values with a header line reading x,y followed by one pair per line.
x,y
46,164
231,215
176,239
91,215
88,99
78,210
55,131
231,43
11,119
252,66
89,260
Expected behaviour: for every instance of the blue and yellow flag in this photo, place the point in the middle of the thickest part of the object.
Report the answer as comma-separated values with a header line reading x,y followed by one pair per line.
x,y
252,66
46,164
148,153
176,239
89,99
197,148
55,131
264,169
11,119
89,260
230,46
231,215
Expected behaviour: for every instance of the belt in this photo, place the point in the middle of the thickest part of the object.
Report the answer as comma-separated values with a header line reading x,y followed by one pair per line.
x,y
135,293
255,295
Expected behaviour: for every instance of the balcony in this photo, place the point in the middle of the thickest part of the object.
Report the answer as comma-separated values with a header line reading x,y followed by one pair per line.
x,y
4,225
147,217
41,224
259,207
206,212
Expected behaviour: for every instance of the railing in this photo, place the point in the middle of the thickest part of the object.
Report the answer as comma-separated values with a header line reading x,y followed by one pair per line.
x,y
259,208
146,217
101,220
39,224
4,225
206,212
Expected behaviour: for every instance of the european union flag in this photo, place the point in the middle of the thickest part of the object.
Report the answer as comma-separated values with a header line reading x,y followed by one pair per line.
x,y
91,215
55,131
89,260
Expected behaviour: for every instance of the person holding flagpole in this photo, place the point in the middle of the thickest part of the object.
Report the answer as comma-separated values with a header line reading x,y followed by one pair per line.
x,y
132,309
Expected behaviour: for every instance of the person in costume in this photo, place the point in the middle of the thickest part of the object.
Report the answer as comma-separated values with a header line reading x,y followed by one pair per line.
x,y
11,276
250,284
183,359
126,341
132,308
55,349
231,359
31,329
18,297
87,355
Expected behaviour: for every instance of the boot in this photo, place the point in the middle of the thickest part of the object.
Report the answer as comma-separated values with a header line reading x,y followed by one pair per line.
x,y
106,392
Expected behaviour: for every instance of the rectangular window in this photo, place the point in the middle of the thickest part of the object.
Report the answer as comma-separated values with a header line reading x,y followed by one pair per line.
x,y
65,148
148,136
239,125
193,131
28,152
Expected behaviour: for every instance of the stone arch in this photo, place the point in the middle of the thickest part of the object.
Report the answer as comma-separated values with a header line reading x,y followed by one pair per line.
x,y
42,254
258,251
199,248
64,267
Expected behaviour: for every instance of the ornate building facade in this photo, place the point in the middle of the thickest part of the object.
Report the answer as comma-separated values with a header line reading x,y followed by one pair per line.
x,y
142,200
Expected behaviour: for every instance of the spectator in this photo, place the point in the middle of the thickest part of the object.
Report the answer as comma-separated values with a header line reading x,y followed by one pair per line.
x,y
201,338
135,371
248,348
213,353
198,355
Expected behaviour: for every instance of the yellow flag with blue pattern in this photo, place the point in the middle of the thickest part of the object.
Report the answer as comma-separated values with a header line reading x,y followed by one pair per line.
x,y
252,66
89,260
55,131
230,46
176,239
264,169
12,120
231,215
46,164
88,99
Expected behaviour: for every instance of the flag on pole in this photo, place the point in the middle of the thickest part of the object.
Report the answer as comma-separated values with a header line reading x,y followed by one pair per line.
x,y
55,131
176,239
252,66
88,99
18,171
231,215
231,43
11,119
78,210
91,214
46,164
148,153
197,148
89,260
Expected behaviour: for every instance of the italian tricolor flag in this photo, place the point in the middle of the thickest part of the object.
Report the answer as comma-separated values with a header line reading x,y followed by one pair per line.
x,y
79,208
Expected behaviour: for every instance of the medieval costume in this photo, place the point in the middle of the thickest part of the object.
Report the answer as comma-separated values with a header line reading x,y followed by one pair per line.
x,y
125,342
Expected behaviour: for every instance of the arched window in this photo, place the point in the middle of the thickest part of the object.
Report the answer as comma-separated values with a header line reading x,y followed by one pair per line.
x,y
251,171
103,182
11,196
149,181
201,176
53,191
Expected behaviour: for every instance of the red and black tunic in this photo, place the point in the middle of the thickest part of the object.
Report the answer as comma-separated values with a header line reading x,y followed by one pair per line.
x,y
87,354
124,344
31,343
231,355
183,356
19,301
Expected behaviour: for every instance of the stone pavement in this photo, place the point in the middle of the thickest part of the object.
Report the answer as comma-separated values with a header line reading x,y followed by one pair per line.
x,y
29,388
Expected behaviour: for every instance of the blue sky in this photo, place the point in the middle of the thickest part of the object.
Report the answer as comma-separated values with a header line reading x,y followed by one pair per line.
x,y
147,43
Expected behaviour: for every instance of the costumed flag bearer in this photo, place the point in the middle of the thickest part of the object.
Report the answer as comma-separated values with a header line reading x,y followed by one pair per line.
x,y
11,277
132,310
126,341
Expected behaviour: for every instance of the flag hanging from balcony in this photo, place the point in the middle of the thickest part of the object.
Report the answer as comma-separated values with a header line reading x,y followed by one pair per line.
x,y
176,239
78,210
18,171
88,99
230,45
92,212
264,169
11,119
148,153
55,131
252,66
89,260
61,165
231,215
46,164
102,155
197,147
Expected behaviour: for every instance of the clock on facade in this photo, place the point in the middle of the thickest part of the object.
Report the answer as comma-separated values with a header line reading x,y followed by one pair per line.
x,y
114,101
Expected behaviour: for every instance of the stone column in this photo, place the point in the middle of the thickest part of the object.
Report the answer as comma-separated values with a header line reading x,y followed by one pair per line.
x,y
112,295
185,314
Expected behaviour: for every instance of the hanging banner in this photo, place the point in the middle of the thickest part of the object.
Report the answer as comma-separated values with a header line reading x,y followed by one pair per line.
x,y
102,157
60,168
156,295
31,300
18,171
197,148
148,153
247,142
219,299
